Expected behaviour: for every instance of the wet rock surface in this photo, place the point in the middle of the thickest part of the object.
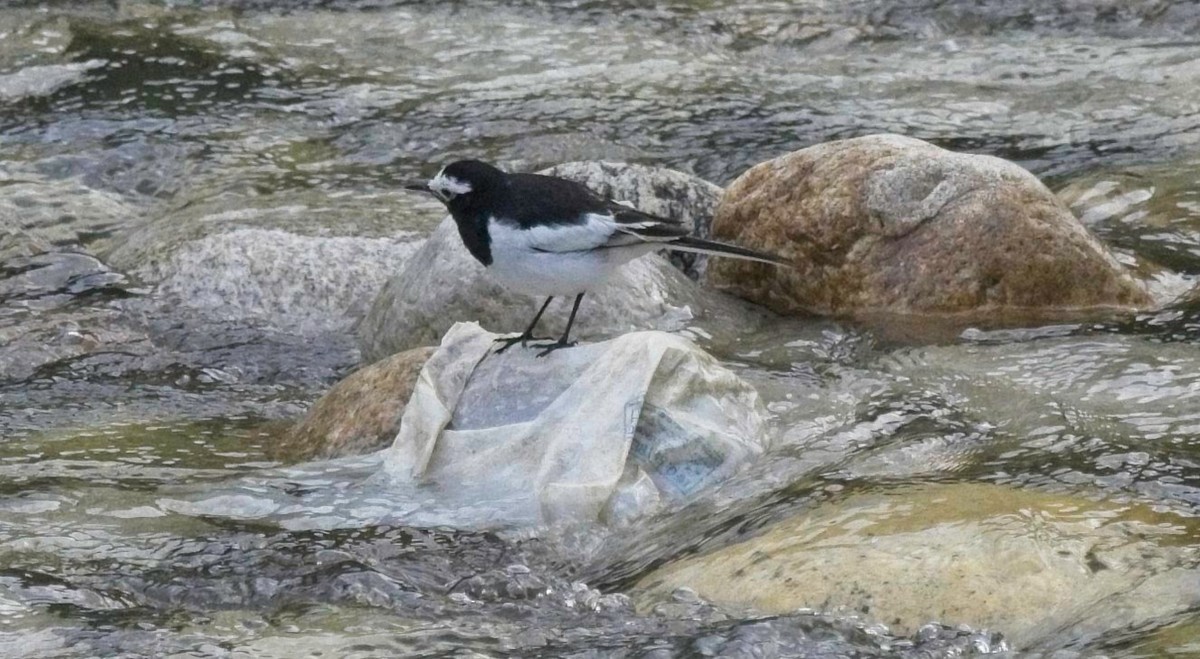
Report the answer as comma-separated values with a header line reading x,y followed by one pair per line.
x,y
1028,563
887,223
300,265
359,414
61,212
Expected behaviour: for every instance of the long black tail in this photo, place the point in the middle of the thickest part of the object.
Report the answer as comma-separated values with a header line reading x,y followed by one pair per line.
x,y
701,246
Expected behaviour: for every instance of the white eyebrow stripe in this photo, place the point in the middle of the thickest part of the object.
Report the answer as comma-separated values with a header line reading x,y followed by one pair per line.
x,y
449,184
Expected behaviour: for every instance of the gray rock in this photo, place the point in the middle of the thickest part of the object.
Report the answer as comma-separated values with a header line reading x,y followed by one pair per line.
x,y
303,263
306,282
34,81
31,340
61,212
54,306
15,243
43,277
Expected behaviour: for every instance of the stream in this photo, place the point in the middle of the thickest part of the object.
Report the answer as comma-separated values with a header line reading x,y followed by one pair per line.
x,y
142,513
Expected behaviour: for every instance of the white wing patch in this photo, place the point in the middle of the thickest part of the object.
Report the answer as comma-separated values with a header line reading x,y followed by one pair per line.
x,y
598,231
593,233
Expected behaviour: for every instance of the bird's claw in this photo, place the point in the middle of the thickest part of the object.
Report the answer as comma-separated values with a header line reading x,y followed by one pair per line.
x,y
523,339
557,345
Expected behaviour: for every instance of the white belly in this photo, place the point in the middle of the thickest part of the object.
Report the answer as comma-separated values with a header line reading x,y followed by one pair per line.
x,y
551,273
558,260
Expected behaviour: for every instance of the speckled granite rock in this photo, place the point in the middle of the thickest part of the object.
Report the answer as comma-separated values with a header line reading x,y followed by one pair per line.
x,y
891,224
358,415
300,263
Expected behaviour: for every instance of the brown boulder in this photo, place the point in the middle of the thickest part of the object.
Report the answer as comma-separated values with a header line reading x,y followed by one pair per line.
x,y
886,223
358,415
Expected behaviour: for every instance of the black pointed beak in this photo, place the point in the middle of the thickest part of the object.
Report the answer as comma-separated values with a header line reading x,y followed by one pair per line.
x,y
418,186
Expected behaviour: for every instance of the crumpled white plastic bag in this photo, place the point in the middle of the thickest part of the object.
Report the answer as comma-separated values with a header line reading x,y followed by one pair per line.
x,y
603,431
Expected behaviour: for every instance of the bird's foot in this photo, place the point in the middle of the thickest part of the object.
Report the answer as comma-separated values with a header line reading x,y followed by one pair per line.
x,y
522,338
557,345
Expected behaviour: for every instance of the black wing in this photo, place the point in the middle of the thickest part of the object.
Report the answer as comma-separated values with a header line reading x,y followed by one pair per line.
x,y
555,202
538,200
633,226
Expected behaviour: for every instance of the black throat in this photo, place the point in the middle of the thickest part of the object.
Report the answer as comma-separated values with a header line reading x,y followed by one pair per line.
x,y
473,231
471,215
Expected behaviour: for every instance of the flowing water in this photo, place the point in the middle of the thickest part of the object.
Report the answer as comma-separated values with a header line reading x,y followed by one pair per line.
x,y
140,514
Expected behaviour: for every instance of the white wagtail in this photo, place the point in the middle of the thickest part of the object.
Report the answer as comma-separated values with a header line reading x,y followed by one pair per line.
x,y
543,235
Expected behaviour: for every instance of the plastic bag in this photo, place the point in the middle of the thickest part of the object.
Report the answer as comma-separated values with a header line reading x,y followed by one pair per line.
x,y
603,431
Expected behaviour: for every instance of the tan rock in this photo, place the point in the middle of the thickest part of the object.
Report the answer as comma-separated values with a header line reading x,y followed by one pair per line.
x,y
1025,563
358,415
886,223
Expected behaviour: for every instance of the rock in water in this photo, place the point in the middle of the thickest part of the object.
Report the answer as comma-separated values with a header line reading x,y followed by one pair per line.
x,y
358,415
1031,565
303,263
886,223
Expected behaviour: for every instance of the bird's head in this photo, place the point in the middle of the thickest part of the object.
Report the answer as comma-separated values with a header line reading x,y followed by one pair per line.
x,y
461,181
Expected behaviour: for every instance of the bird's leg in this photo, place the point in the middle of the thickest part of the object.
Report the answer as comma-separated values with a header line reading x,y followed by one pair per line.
x,y
564,341
525,336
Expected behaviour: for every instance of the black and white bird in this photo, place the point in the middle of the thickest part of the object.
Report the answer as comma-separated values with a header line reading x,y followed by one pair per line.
x,y
543,235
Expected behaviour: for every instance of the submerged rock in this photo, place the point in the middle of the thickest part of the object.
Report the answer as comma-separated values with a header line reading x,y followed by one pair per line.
x,y
54,278
16,243
61,212
358,415
306,265
1025,563
31,341
56,306
891,224
44,80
